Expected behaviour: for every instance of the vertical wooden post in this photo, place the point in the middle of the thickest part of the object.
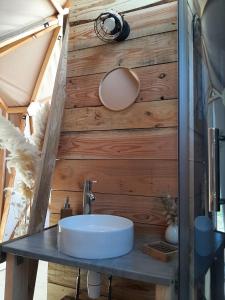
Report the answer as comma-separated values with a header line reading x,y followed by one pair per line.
x,y
165,292
2,174
49,152
50,146
2,180
16,282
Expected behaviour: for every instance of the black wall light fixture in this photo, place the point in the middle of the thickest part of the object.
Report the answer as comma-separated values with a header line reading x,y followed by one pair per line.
x,y
111,26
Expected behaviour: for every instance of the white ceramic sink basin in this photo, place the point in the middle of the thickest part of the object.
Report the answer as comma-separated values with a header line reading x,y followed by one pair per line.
x,y
95,236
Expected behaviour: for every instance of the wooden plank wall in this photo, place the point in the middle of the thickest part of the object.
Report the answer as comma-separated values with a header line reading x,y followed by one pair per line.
x,y
133,153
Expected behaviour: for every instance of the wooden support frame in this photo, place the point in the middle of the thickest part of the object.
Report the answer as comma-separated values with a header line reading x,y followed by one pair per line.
x,y
16,276
2,173
12,109
45,64
50,146
61,10
2,179
11,47
23,110
49,152
51,21
56,4
43,182
17,110
3,106
165,292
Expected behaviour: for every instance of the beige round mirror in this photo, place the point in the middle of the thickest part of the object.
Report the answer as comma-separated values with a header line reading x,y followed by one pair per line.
x,y
119,89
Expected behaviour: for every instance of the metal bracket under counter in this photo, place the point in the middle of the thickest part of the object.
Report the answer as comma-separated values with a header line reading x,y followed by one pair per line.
x,y
135,265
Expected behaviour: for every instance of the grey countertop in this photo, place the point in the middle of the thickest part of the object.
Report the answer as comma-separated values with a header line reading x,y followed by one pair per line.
x,y
135,265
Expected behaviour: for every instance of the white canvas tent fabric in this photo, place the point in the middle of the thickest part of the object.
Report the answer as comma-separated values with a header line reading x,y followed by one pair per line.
x,y
19,15
19,71
19,68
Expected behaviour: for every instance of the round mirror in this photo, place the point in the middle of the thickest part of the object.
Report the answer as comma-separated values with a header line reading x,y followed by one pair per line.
x,y
119,89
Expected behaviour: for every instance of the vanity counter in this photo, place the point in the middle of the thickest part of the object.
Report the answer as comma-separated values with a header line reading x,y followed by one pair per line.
x,y
135,265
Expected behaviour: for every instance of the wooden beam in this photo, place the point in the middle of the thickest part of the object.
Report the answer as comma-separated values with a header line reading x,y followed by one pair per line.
x,y
165,292
2,174
61,10
13,46
31,31
45,63
50,146
68,4
16,283
2,179
56,4
49,152
17,110
3,104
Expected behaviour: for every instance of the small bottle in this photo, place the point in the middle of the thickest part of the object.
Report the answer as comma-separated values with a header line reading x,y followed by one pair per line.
x,y
66,211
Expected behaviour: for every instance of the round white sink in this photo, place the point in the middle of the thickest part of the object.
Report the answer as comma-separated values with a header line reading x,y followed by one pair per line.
x,y
95,236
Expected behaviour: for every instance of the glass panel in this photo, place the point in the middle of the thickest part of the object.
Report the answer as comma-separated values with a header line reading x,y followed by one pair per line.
x,y
202,132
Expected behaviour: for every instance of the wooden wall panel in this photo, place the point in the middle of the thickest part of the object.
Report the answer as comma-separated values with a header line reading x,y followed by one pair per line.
x,y
153,20
136,177
125,289
149,50
57,292
158,82
117,144
89,10
133,153
139,115
146,210
122,289
65,275
143,228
